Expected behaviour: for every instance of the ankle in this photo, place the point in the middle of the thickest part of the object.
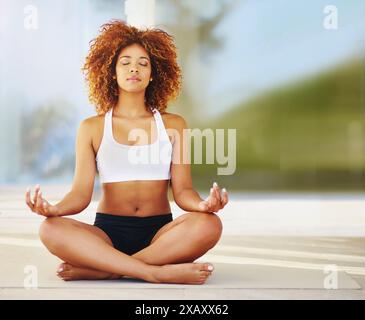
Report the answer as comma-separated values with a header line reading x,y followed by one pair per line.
x,y
153,274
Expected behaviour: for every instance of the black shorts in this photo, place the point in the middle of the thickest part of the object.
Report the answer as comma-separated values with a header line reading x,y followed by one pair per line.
x,y
130,234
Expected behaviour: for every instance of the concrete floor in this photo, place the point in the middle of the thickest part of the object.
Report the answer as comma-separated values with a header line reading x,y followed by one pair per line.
x,y
293,234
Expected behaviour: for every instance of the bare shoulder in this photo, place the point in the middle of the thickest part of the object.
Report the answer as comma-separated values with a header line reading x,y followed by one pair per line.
x,y
173,120
94,119
93,123
92,127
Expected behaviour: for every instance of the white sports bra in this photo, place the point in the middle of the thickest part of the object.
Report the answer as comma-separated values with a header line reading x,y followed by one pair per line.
x,y
119,162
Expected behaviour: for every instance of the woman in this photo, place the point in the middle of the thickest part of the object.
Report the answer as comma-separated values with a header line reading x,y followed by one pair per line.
x,y
132,74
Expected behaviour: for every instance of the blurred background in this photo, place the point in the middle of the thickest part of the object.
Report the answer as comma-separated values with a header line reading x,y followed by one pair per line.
x,y
289,76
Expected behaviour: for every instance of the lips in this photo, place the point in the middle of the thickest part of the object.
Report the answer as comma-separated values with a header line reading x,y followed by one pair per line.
x,y
134,78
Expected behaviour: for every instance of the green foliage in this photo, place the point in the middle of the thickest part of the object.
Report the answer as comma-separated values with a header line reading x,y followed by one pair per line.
x,y
307,135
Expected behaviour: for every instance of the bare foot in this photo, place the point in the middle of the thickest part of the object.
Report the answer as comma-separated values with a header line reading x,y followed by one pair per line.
x,y
185,273
70,272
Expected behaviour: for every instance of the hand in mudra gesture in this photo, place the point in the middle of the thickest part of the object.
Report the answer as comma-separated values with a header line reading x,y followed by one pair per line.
x,y
40,205
215,201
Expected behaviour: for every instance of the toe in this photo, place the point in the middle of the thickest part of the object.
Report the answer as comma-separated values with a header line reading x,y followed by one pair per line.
x,y
65,278
208,267
64,271
205,273
62,276
67,266
66,275
62,267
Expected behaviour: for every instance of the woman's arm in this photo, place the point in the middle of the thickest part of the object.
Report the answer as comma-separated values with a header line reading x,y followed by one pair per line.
x,y
72,203
83,184
182,187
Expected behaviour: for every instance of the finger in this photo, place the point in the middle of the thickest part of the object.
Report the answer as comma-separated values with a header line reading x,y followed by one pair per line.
x,y
211,196
213,202
37,189
39,203
36,201
224,197
27,199
205,204
214,199
217,191
45,207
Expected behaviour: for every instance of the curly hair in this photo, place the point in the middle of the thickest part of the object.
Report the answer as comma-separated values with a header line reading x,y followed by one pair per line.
x,y
99,67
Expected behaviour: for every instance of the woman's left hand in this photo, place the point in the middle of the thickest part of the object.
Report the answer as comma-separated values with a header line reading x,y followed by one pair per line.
x,y
215,201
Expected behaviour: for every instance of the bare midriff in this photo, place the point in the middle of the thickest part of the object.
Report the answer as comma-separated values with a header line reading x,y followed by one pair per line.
x,y
131,198
135,198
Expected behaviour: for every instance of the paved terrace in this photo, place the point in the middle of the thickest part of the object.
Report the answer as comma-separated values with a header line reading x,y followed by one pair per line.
x,y
274,246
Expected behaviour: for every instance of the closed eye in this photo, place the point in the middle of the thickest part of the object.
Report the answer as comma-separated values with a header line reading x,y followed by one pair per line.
x,y
144,65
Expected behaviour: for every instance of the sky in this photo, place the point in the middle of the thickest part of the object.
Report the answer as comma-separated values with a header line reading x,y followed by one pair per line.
x,y
278,42
267,43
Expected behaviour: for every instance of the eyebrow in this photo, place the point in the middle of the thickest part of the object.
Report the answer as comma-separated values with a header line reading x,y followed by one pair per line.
x,y
130,57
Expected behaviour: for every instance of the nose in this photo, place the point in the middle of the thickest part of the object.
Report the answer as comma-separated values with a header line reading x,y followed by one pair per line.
x,y
133,69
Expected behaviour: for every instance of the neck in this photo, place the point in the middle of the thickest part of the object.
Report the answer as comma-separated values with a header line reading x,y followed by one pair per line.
x,y
131,104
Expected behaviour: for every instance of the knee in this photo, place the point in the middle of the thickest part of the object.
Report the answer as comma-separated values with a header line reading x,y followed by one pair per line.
x,y
209,228
49,231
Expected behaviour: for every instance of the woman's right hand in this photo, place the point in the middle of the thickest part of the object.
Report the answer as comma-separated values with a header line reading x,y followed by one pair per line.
x,y
39,205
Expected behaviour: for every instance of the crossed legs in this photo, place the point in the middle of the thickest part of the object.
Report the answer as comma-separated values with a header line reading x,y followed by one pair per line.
x,y
88,252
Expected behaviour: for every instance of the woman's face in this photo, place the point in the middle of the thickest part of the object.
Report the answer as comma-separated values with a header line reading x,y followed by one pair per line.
x,y
133,61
